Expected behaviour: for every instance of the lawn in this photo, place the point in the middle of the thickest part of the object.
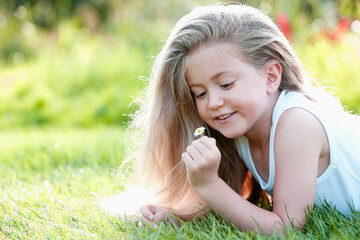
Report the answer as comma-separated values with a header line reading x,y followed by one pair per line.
x,y
49,179
65,94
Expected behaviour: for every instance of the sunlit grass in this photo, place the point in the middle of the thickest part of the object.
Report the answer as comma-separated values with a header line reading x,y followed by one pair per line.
x,y
79,78
48,178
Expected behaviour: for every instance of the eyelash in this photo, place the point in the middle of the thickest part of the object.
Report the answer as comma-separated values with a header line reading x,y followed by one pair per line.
x,y
200,95
224,86
227,85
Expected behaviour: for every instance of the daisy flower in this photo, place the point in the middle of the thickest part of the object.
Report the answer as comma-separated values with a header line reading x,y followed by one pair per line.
x,y
199,132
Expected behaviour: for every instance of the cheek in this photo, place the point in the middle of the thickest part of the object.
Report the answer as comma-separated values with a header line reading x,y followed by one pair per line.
x,y
200,107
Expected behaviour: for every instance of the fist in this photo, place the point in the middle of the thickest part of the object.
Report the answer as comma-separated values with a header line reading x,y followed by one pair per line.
x,y
202,160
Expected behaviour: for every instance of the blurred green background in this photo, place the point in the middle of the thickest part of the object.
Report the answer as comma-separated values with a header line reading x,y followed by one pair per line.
x,y
79,63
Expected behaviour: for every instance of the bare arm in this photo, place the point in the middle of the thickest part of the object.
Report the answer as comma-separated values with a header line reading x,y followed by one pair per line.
x,y
299,140
243,214
202,161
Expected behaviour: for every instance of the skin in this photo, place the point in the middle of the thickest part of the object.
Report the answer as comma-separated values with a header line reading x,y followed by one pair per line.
x,y
237,99
153,214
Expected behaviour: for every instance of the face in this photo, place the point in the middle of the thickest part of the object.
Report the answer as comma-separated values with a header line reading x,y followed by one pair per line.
x,y
231,96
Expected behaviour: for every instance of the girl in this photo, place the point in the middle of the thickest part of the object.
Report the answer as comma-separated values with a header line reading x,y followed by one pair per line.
x,y
230,68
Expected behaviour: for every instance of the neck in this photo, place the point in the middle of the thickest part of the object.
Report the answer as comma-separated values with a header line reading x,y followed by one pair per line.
x,y
259,134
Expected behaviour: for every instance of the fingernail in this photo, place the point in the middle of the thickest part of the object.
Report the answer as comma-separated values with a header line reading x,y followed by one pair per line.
x,y
155,226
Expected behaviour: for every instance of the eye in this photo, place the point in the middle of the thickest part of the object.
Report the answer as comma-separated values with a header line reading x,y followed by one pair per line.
x,y
227,85
200,95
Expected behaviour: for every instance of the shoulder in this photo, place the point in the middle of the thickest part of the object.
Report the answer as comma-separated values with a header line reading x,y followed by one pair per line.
x,y
290,102
298,116
300,130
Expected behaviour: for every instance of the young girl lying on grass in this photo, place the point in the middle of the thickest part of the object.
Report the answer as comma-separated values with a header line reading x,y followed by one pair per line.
x,y
230,69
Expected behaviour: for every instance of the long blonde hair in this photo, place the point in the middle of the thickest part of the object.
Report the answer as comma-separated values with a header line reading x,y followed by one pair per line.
x,y
167,115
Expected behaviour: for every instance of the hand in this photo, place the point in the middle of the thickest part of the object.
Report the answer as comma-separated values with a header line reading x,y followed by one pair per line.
x,y
202,160
153,214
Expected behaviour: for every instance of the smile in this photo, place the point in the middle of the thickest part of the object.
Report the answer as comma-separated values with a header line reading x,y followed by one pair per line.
x,y
224,116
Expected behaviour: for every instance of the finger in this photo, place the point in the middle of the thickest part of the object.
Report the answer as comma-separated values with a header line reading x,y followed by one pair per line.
x,y
160,216
189,162
193,152
144,222
163,215
213,151
148,212
210,143
200,146
154,225
168,217
140,223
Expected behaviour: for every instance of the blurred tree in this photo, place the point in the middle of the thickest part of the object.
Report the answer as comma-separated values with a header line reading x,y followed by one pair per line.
x,y
77,62
349,8
46,13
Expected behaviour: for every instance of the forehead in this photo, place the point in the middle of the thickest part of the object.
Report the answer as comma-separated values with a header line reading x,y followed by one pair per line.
x,y
210,59
220,49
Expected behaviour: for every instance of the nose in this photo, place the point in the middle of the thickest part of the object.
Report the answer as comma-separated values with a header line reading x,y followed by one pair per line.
x,y
215,100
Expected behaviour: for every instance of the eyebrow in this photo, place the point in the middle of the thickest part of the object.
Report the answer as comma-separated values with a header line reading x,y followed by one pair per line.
x,y
212,78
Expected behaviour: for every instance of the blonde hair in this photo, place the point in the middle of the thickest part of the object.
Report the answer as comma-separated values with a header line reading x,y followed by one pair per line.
x,y
167,115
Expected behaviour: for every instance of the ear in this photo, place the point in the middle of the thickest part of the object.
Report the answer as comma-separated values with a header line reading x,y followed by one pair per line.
x,y
273,73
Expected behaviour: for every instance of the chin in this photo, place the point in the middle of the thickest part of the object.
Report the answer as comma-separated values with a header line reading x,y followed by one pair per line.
x,y
231,135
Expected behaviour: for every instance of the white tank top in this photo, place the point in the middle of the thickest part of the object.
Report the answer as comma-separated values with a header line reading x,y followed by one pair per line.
x,y
339,185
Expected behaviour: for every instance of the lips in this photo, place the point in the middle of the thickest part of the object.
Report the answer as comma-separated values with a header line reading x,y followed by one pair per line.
x,y
223,116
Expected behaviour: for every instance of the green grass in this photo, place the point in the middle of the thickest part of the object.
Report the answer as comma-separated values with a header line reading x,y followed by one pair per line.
x,y
73,79
47,181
